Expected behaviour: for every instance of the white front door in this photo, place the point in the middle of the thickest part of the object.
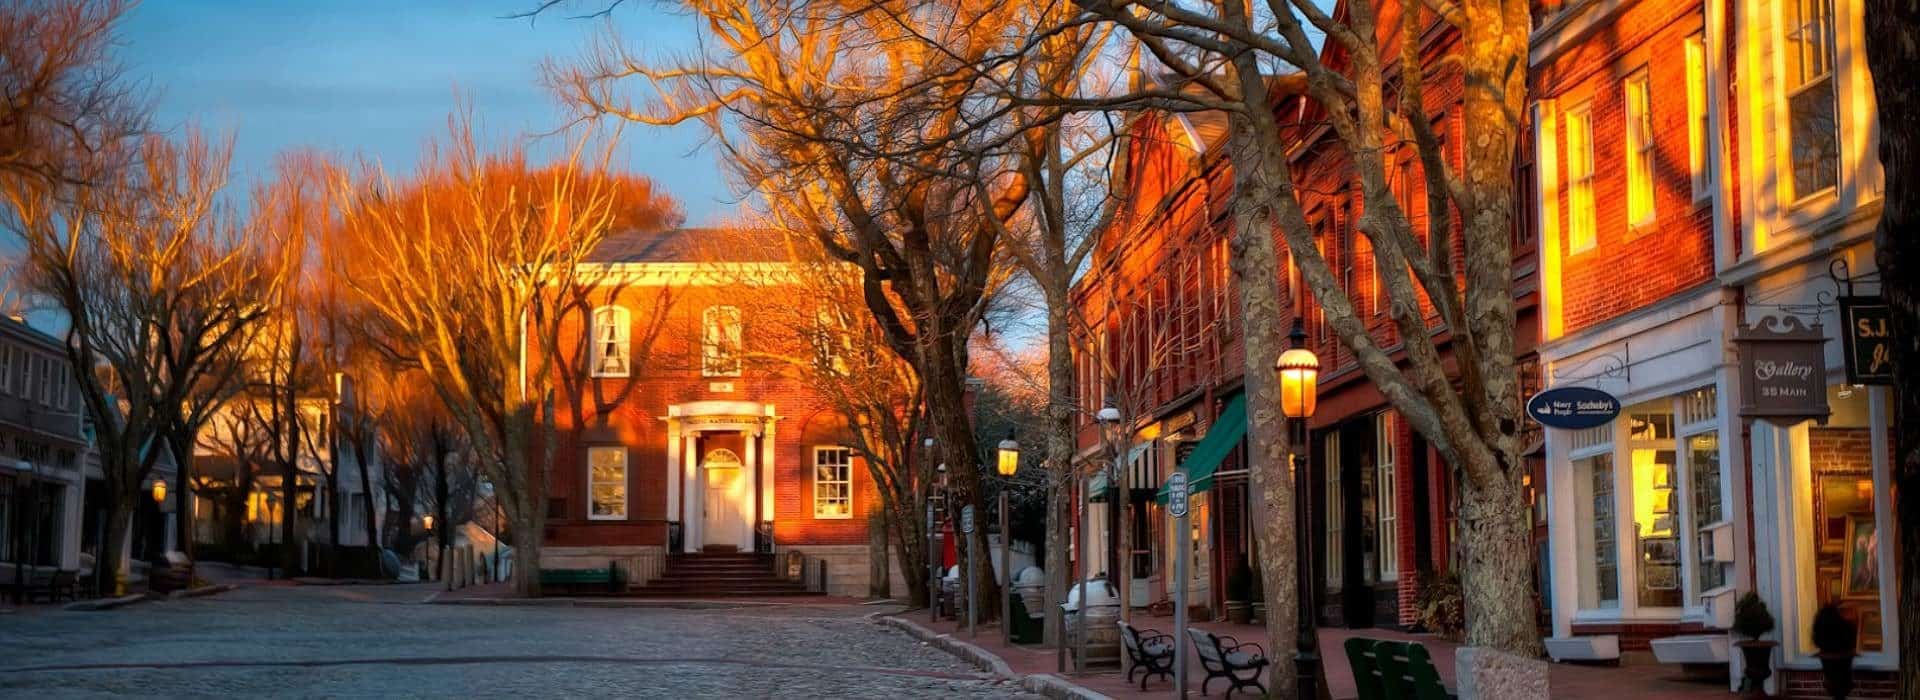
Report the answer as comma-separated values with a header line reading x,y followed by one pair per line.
x,y
726,518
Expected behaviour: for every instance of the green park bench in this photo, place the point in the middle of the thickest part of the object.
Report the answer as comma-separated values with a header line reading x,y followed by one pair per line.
x,y
1390,670
607,580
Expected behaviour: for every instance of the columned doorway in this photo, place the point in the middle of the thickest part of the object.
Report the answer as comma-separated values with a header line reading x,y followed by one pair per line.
x,y
720,484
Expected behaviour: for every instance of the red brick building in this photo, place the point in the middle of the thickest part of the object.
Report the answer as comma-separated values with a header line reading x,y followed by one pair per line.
x,y
686,423
1162,303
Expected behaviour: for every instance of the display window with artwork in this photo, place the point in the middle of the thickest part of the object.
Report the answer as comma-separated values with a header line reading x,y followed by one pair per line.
x,y
1847,542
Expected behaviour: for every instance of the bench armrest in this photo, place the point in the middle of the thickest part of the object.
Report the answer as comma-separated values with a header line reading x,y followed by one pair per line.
x,y
1262,651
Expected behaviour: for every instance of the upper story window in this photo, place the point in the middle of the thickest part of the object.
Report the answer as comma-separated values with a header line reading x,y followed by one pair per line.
x,y
1640,153
720,341
1580,214
1813,125
45,366
1699,143
832,482
6,369
611,328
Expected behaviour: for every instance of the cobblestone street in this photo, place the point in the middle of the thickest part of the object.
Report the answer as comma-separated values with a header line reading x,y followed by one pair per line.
x,y
378,640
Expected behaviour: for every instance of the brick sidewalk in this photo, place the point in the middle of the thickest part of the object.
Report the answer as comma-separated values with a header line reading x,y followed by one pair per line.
x,y
1649,681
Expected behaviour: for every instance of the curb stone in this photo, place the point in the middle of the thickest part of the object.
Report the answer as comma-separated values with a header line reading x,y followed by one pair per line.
x,y
1046,684
105,603
203,591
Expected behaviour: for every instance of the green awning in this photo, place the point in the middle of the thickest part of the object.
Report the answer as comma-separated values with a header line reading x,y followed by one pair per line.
x,y
1222,437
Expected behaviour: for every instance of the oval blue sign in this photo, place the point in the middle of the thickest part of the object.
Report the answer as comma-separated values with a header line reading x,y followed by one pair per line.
x,y
1573,408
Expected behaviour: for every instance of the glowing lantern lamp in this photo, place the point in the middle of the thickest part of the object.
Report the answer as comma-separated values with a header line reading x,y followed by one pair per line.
x,y
1009,456
159,491
1299,372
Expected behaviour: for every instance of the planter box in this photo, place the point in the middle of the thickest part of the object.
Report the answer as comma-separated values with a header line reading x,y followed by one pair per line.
x,y
1693,649
1603,647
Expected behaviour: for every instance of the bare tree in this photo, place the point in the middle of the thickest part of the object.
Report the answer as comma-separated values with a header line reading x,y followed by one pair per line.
x,y
1237,60
469,271
156,282
828,115
64,99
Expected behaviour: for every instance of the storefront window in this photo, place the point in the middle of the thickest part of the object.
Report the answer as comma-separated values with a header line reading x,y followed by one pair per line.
x,y
1655,507
1847,542
1709,509
1601,564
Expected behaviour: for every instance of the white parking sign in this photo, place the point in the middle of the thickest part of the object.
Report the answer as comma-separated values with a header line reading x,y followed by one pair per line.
x,y
1177,494
966,520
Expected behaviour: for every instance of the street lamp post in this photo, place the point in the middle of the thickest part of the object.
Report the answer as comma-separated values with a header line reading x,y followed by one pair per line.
x,y
158,488
1008,463
1298,371
1110,431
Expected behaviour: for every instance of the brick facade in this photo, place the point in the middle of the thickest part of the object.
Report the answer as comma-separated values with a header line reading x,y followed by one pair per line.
x,y
666,307
1673,253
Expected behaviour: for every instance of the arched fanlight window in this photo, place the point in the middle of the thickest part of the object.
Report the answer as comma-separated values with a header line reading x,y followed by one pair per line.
x,y
610,335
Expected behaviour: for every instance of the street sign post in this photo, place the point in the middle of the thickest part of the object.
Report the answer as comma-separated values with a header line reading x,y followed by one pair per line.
x,y
1177,496
973,561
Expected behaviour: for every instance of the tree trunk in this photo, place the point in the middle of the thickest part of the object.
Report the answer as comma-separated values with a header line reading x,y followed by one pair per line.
x,y
367,510
289,515
1056,566
1254,264
1893,49
1060,442
1496,576
946,384
1496,583
879,579
108,569
181,445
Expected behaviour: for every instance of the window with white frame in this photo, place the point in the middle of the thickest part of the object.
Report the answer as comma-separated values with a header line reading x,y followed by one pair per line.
x,y
720,341
1580,214
1640,153
832,482
1654,501
1700,448
611,329
1699,136
1813,128
6,369
1598,546
1336,512
62,386
1386,506
607,483
28,362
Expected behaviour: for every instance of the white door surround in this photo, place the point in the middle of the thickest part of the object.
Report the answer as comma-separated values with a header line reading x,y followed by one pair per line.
x,y
688,498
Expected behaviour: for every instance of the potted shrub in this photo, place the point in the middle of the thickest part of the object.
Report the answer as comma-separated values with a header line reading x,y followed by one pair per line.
x,y
1240,593
1752,620
1836,636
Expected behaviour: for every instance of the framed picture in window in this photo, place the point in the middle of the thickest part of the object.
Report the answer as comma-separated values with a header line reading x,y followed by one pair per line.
x,y
1862,564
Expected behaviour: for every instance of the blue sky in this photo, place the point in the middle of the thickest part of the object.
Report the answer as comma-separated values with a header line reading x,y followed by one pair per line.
x,y
379,78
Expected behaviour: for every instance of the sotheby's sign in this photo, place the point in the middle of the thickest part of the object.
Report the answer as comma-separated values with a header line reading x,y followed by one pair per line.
x,y
1573,408
1783,370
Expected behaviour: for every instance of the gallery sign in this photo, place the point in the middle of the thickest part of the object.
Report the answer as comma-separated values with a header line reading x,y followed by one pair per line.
x,y
1573,408
1783,370
1868,337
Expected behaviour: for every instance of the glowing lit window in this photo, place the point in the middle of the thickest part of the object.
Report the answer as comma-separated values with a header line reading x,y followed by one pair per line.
x,y
1580,214
1640,151
1699,145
